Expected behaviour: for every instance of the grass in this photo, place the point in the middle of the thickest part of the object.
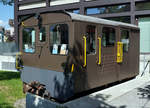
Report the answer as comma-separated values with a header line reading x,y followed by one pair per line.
x,y
10,89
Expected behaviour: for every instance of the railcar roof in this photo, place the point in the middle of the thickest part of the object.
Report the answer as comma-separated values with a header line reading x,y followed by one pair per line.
x,y
98,20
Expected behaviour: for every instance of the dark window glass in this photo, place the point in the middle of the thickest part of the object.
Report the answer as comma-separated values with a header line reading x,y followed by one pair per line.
x,y
42,35
102,10
108,37
29,40
119,8
143,6
90,39
121,19
59,39
108,9
125,40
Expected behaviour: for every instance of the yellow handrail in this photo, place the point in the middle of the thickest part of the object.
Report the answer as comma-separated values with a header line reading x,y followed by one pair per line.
x,y
72,68
84,38
99,57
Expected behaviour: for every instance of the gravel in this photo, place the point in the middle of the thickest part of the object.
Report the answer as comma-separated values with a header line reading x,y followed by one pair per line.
x,y
21,103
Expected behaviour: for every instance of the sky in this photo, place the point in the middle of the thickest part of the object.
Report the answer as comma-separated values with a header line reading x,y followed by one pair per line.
x,y
6,13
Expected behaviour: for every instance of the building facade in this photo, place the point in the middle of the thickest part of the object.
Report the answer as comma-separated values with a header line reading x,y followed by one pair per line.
x,y
128,11
2,30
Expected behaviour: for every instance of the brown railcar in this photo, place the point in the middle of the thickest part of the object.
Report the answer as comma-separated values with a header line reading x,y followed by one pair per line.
x,y
71,53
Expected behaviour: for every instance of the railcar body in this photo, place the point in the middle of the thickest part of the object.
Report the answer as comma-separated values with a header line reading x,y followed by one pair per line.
x,y
72,53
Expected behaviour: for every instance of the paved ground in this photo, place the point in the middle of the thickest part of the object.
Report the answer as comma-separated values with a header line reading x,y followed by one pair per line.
x,y
131,94
20,103
136,98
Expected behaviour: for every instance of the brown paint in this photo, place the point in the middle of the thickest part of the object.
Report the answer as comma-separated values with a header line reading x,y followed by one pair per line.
x,y
93,75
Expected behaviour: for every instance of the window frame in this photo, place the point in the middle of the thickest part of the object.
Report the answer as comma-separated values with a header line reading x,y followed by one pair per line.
x,y
49,37
35,28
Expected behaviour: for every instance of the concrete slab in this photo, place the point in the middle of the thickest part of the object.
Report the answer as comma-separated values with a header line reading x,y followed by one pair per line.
x,y
118,90
136,98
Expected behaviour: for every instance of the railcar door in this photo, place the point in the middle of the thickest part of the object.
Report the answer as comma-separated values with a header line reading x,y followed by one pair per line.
x,y
125,69
41,41
109,65
101,55
91,66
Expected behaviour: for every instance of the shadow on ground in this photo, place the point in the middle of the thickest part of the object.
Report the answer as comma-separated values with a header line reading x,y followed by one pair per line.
x,y
83,102
144,94
100,99
97,101
9,75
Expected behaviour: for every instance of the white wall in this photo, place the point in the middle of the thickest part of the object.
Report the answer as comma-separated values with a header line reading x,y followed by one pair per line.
x,y
43,4
7,63
32,5
0,37
11,31
60,2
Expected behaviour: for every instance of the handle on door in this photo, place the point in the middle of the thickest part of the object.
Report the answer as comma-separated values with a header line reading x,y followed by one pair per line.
x,y
84,39
99,51
119,52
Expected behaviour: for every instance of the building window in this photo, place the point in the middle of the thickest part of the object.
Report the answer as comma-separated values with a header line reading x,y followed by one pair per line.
x,y
92,11
59,39
125,40
61,2
90,30
142,6
108,9
77,11
42,35
108,37
29,40
120,19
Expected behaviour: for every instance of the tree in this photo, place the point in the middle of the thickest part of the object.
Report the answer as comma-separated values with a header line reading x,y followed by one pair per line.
x,y
7,2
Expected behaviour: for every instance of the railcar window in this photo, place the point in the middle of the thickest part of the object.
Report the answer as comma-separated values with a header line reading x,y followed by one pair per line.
x,y
125,40
42,34
29,40
108,36
59,39
90,39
